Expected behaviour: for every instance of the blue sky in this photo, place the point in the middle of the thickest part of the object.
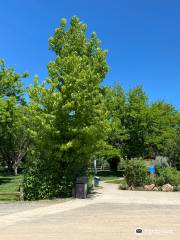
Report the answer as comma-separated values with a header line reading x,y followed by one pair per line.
x,y
142,38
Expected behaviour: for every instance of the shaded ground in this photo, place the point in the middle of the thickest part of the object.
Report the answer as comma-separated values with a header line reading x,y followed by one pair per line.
x,y
110,214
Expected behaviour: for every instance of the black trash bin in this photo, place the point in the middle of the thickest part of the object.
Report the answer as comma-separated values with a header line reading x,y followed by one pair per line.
x,y
81,187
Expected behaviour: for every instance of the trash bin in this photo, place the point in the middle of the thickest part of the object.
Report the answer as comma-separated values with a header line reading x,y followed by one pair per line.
x,y
96,181
81,187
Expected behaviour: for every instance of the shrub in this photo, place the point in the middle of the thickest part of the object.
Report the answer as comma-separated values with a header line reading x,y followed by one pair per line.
x,y
159,181
168,175
136,172
149,180
123,185
47,183
44,185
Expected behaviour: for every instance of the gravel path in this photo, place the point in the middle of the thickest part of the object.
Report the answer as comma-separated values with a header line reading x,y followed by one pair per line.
x,y
108,214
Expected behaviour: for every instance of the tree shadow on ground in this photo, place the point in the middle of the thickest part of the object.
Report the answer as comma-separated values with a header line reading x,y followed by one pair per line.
x,y
94,194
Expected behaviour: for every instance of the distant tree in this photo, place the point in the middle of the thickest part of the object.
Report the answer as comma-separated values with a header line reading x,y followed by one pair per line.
x,y
13,134
163,121
112,151
136,123
171,148
11,84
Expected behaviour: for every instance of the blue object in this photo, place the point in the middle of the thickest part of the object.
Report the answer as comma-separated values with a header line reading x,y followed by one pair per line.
x,y
152,169
96,181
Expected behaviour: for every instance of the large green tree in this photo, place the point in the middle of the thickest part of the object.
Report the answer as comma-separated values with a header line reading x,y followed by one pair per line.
x,y
70,111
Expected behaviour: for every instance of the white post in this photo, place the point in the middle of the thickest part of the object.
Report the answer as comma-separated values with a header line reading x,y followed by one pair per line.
x,y
95,169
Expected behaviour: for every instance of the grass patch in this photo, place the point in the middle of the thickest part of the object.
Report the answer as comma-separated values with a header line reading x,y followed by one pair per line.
x,y
115,181
108,178
108,175
9,184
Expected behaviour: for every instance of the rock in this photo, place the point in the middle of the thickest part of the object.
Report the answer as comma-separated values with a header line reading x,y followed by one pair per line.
x,y
178,187
167,188
149,187
156,189
131,188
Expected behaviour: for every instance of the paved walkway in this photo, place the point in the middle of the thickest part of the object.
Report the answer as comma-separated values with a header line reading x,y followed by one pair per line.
x,y
108,214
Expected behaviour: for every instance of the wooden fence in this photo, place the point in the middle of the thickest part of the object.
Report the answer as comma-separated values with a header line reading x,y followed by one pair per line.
x,y
17,194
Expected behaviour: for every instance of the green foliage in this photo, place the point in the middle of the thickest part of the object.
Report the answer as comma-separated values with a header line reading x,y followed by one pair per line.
x,y
109,175
71,120
38,185
163,176
122,184
163,122
90,182
108,153
13,134
135,121
115,104
149,180
10,83
168,175
136,172
172,150
159,181
9,184
137,128
70,112
112,148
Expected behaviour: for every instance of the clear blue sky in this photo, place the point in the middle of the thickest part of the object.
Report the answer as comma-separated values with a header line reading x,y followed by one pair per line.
x,y
142,37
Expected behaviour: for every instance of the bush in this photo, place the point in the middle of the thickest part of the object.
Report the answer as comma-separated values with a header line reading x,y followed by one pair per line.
x,y
149,180
46,185
136,172
123,185
46,180
168,175
159,181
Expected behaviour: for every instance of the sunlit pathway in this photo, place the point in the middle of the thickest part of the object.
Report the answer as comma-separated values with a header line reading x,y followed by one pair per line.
x,y
109,214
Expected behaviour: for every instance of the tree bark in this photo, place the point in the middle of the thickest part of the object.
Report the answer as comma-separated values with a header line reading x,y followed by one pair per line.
x,y
15,170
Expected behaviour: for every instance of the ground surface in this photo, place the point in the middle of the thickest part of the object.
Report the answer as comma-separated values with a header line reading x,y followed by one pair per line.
x,y
109,214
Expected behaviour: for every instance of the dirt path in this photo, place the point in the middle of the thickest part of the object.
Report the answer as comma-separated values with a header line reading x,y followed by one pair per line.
x,y
108,214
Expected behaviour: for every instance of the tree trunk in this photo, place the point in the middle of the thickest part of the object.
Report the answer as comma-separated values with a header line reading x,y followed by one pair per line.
x,y
15,170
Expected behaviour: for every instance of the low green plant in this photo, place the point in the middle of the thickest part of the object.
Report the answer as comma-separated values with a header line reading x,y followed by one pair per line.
x,y
90,182
136,172
159,181
40,183
123,185
168,175
149,180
